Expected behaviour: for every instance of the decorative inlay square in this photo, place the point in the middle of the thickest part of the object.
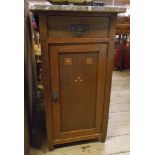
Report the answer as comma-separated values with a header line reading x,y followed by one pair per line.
x,y
68,61
89,60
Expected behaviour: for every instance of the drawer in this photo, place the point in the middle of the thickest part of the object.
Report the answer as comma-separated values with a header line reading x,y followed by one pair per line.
x,y
71,27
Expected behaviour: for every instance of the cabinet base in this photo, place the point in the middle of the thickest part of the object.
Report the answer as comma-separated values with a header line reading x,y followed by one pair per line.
x,y
76,139
102,139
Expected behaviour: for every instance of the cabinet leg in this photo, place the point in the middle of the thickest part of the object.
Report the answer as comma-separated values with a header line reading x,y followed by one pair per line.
x,y
50,147
99,139
103,139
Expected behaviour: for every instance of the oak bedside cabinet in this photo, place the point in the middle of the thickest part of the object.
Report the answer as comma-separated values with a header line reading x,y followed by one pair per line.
x,y
77,44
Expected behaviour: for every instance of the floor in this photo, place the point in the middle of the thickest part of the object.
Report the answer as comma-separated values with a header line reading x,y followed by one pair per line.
x,y
118,138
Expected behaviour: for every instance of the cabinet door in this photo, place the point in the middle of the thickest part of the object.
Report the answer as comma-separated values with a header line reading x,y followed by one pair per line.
x,y
77,86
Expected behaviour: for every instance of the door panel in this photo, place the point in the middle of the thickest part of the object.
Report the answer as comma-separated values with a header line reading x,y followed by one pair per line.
x,y
77,73
78,87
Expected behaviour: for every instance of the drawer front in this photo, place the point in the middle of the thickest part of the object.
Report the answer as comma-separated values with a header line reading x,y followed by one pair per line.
x,y
71,27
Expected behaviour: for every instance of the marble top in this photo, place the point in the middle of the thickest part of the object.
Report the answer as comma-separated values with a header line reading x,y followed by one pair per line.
x,y
46,6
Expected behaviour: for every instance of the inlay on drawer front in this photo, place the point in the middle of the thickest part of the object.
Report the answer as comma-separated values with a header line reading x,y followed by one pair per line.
x,y
71,27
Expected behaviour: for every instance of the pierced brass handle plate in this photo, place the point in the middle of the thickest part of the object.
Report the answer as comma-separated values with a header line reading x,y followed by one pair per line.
x,y
79,29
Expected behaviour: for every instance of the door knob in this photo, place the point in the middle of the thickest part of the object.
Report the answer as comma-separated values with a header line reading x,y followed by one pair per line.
x,y
55,96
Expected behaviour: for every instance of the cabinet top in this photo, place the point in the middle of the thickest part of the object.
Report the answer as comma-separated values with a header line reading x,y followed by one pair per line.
x,y
46,6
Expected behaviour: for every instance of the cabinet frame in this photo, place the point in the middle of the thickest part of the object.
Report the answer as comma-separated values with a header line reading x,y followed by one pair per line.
x,y
45,41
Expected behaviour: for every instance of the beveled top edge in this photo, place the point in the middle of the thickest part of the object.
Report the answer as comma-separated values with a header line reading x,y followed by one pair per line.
x,y
44,7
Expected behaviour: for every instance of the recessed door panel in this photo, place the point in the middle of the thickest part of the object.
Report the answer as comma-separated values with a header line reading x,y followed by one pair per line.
x,y
78,79
78,91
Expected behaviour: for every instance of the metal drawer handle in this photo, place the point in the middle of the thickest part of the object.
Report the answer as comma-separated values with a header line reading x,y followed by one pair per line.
x,y
79,29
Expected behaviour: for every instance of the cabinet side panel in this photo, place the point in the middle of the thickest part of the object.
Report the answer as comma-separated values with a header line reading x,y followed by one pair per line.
x,y
46,78
110,58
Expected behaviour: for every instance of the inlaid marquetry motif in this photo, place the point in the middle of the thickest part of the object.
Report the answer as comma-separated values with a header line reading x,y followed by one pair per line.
x,y
89,60
68,61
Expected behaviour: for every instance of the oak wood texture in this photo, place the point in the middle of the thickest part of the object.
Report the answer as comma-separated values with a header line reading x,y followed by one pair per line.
x,y
77,112
60,27
80,109
76,40
110,59
46,79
